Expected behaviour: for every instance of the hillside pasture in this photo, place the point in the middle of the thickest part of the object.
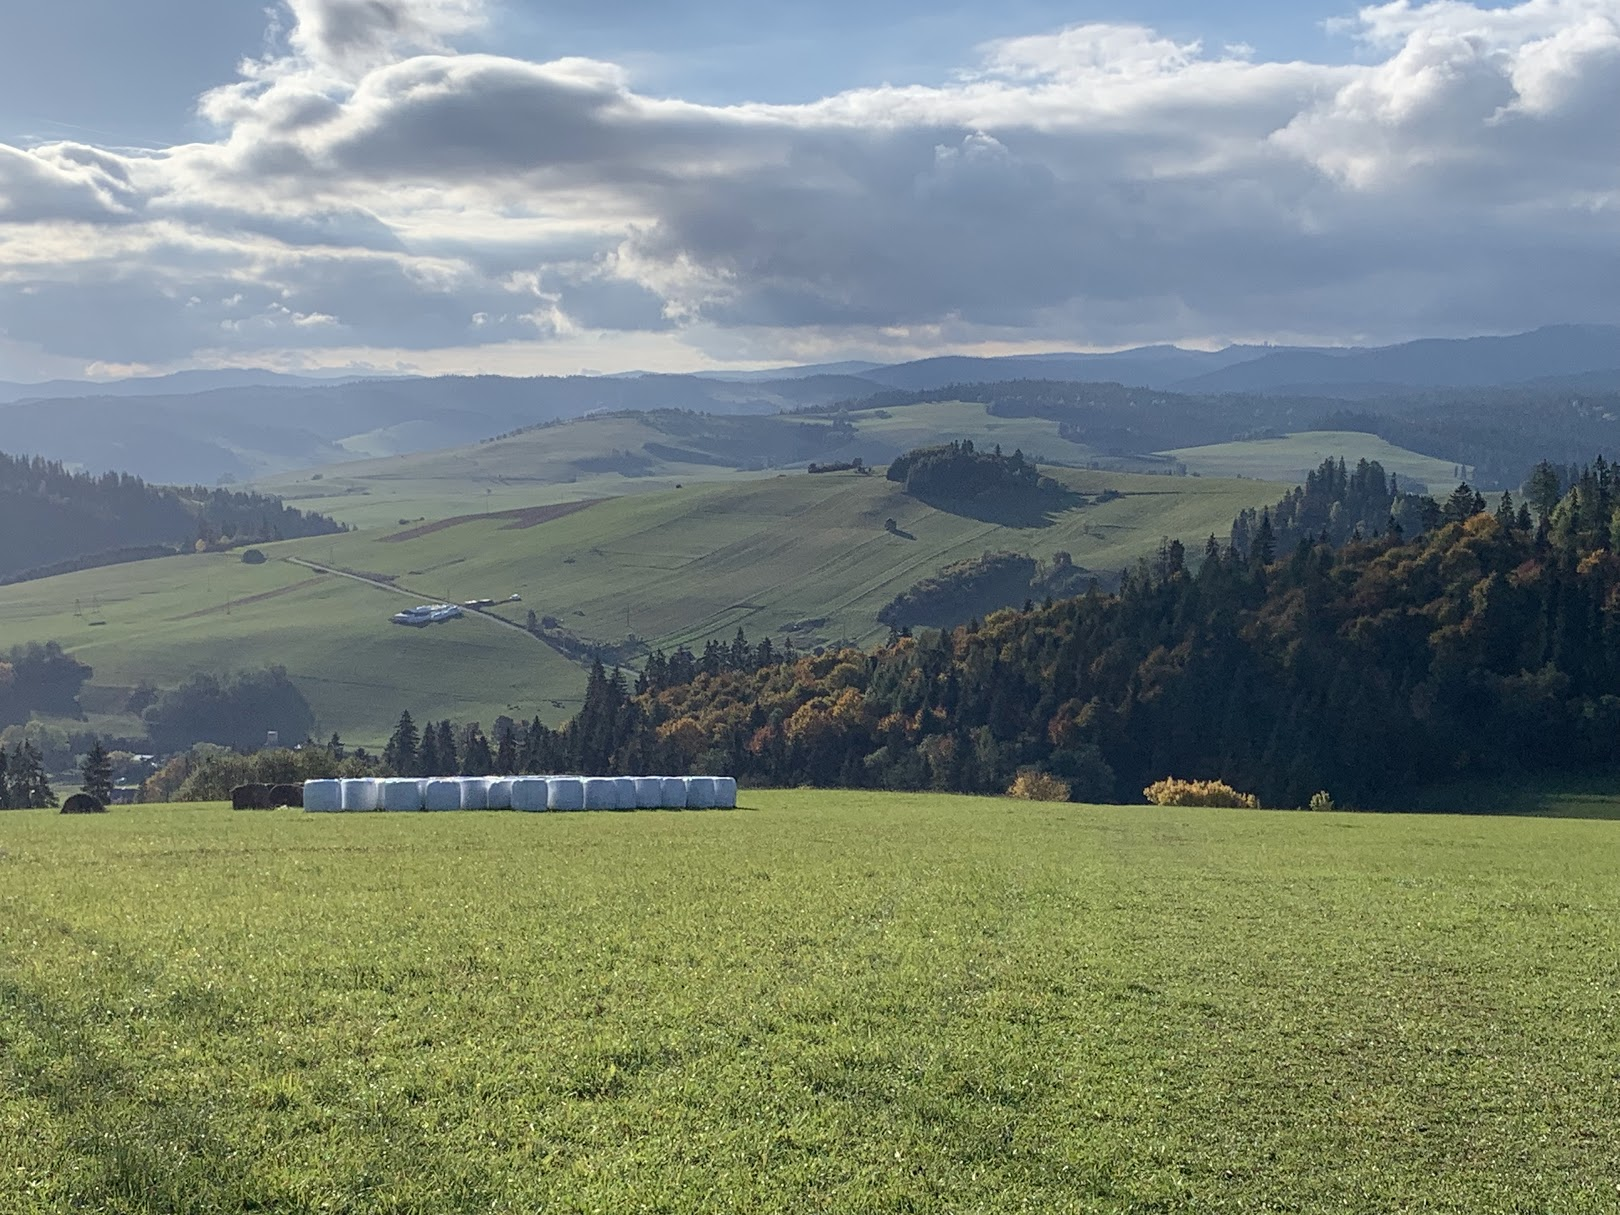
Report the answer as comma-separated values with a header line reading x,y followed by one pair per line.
x,y
786,555
770,555
821,1001
611,455
1291,457
162,620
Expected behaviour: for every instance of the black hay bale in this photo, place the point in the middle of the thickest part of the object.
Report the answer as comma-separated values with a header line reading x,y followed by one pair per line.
x,y
287,795
250,797
83,803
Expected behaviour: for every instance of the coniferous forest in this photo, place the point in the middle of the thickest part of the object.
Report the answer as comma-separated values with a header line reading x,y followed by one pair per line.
x,y
1487,643
59,520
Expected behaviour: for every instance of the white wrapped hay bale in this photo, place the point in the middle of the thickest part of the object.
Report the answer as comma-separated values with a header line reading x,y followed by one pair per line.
x,y
625,789
725,792
700,792
649,792
498,793
474,793
566,793
360,795
530,793
441,795
401,793
323,796
601,793
673,796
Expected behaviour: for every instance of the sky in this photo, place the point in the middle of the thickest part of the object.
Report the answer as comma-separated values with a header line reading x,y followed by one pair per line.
x,y
525,187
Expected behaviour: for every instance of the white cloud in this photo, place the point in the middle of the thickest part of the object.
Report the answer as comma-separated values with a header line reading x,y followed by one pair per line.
x,y
373,189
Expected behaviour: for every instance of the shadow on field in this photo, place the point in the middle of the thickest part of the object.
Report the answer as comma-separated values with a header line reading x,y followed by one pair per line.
x,y
1030,510
123,1147
1592,796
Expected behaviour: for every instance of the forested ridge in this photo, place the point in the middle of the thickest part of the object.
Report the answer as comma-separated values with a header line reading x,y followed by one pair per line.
x,y
1498,432
1488,644
57,519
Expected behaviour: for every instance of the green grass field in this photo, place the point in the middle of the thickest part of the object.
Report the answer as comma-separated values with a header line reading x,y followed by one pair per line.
x,y
618,454
162,620
764,554
767,554
822,1001
1289,459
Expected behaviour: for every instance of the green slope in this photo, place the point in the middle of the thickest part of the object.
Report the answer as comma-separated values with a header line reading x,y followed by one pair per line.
x,y
789,554
1289,458
162,620
766,554
617,454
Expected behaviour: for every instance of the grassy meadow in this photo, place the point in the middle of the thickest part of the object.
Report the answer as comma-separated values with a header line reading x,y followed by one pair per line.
x,y
612,455
162,620
1291,457
789,554
821,1001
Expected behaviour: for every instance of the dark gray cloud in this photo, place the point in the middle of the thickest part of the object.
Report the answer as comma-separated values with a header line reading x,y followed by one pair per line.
x,y
1098,186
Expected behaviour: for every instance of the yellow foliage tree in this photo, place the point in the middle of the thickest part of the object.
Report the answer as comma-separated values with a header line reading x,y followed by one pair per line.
x,y
1034,786
1173,792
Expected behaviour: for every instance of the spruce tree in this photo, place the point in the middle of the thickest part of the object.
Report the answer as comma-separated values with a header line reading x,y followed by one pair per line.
x,y
476,758
506,748
5,781
401,752
35,787
97,771
448,757
429,758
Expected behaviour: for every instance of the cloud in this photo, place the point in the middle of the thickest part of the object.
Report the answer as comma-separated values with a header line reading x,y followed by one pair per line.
x,y
359,34
371,187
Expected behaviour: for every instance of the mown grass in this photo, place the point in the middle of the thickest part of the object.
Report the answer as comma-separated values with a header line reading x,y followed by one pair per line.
x,y
1289,458
823,1001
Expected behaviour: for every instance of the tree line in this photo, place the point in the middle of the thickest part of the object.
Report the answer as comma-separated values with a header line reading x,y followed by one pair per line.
x,y
1488,643
58,519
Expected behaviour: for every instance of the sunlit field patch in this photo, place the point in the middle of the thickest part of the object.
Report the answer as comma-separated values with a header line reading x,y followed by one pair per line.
x,y
819,1001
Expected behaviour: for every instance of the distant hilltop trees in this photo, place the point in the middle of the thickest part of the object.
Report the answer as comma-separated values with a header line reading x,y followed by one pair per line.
x,y
959,471
58,520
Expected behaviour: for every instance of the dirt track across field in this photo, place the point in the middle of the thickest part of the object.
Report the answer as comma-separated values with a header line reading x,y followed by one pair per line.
x,y
247,599
519,519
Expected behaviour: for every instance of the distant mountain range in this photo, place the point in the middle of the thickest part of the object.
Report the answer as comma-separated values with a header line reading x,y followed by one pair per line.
x,y
208,426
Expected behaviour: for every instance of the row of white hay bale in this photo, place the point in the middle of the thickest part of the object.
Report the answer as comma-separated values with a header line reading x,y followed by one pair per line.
x,y
521,793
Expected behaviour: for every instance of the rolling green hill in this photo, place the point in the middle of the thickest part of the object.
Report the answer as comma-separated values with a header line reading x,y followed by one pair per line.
x,y
622,453
1289,458
780,555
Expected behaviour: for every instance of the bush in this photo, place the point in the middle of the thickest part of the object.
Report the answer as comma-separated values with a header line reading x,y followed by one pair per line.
x,y
1322,801
1173,792
1034,786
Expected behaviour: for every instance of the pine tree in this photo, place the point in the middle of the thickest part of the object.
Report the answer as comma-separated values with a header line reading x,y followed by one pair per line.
x,y
506,747
30,786
476,759
401,753
98,773
5,781
448,755
1505,513
430,759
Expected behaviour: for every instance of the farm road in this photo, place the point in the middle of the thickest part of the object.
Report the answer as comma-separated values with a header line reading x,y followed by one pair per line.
x,y
420,597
